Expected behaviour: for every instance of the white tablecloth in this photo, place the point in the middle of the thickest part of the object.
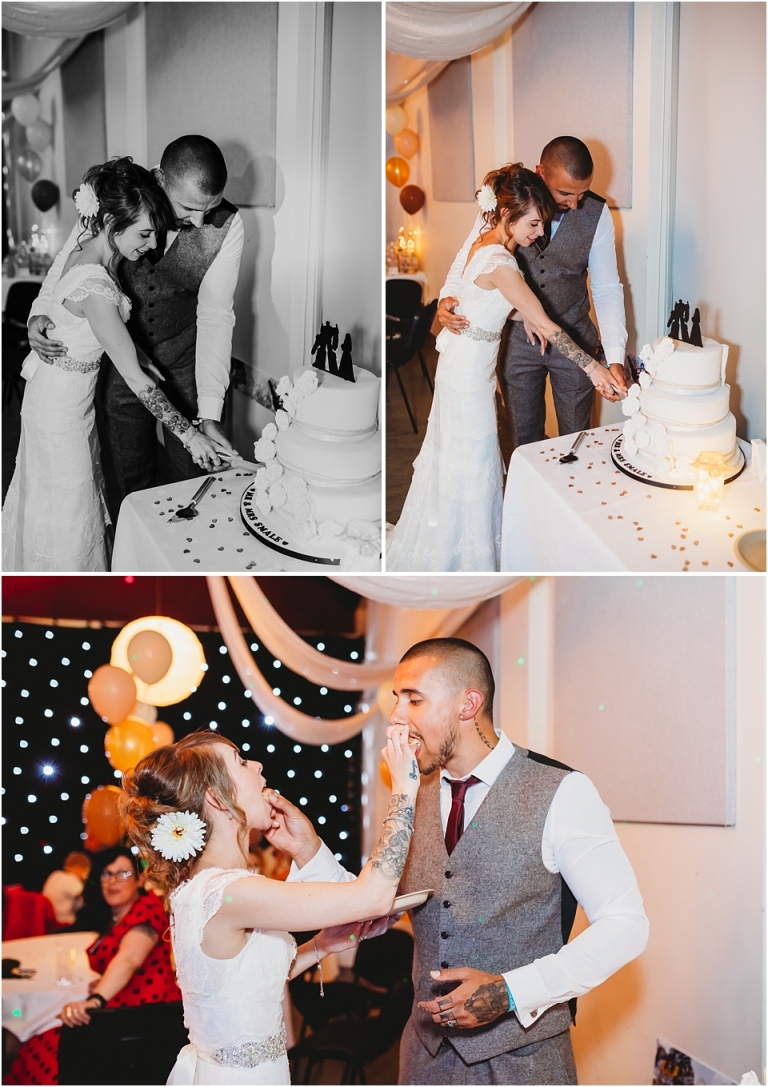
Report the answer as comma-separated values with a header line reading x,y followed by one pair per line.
x,y
31,1005
217,539
588,516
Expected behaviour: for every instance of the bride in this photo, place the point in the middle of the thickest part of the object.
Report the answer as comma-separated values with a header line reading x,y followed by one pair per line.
x,y
190,808
451,519
55,513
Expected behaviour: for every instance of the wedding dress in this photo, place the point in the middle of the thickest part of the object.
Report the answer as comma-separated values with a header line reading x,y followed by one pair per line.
x,y
451,519
55,513
232,1007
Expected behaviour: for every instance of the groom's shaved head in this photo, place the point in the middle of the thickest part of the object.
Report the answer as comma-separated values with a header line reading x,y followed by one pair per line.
x,y
464,665
570,155
198,160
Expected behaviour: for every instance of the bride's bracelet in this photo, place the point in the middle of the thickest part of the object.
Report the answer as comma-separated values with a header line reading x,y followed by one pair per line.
x,y
319,962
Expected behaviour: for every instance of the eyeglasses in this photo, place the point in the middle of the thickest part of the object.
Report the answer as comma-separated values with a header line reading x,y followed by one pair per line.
x,y
121,875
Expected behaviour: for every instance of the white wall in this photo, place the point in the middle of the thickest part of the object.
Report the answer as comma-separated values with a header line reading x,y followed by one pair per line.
x,y
701,983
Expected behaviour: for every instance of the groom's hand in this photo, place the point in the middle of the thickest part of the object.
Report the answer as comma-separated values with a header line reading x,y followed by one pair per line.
x,y
213,430
618,378
291,831
39,342
478,1000
454,322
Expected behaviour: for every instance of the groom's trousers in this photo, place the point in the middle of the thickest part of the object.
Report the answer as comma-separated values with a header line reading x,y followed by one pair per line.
x,y
549,1061
523,373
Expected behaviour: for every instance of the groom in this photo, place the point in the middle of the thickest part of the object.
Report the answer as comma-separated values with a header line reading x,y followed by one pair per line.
x,y
580,240
509,840
182,317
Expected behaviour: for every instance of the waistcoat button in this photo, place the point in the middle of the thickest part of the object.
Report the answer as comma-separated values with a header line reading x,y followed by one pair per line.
x,y
444,965
446,903
444,935
448,875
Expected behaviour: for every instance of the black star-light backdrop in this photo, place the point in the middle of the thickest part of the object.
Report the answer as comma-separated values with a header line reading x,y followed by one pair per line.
x,y
53,741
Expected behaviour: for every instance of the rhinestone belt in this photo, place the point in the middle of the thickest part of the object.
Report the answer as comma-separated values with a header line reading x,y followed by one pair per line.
x,y
83,366
252,1053
481,334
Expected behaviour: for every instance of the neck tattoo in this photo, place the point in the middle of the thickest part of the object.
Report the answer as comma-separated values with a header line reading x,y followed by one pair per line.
x,y
485,740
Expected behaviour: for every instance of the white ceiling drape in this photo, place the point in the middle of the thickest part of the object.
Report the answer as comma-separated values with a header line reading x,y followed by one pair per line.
x,y
445,31
428,591
60,18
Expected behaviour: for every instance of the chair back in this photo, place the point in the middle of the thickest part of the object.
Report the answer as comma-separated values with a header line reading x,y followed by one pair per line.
x,y
387,960
26,913
403,298
124,1045
18,303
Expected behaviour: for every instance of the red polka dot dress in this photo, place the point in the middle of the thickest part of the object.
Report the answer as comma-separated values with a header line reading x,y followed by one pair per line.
x,y
153,982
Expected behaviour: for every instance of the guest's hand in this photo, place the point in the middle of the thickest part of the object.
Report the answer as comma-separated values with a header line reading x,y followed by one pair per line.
x,y
618,378
478,1000
39,342
213,430
291,831
454,322
342,937
76,1013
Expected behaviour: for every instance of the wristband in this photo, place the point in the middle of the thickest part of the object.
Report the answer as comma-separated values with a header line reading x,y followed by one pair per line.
x,y
512,1004
188,435
97,996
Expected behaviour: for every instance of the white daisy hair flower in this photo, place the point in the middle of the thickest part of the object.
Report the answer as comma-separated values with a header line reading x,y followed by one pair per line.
x,y
486,198
178,835
86,202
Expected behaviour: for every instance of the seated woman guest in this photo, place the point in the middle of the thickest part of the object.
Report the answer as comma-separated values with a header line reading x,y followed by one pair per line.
x,y
132,955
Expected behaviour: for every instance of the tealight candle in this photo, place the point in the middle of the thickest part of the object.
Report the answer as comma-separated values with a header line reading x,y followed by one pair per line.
x,y
711,470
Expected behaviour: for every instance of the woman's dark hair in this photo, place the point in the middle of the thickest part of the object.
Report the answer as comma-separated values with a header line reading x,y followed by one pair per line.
x,y
125,190
518,190
96,914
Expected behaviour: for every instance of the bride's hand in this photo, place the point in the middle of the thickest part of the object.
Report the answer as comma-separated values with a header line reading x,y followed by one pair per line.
x,y
533,334
204,452
601,379
401,761
342,937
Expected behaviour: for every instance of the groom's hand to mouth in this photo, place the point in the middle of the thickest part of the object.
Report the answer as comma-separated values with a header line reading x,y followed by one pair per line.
x,y
291,831
479,999
454,322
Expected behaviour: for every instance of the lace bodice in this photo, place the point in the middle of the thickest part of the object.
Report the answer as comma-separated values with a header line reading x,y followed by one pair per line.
x,y
227,1002
487,310
75,332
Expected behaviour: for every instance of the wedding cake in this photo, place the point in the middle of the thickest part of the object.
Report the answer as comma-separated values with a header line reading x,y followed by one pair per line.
x,y
679,410
318,495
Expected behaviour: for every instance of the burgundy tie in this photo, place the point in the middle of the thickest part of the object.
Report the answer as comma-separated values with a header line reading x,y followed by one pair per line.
x,y
455,827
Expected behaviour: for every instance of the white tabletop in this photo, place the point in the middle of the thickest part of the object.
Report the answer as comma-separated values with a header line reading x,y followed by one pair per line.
x,y
588,516
31,1005
217,539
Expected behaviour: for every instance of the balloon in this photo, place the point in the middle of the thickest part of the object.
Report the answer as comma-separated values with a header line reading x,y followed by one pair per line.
x,y
385,775
412,198
407,143
45,194
187,668
29,164
162,734
145,712
397,119
112,693
25,108
127,743
39,135
101,815
149,655
398,171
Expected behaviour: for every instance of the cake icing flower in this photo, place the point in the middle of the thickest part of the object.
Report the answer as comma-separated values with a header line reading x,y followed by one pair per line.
x,y
178,835
283,419
264,450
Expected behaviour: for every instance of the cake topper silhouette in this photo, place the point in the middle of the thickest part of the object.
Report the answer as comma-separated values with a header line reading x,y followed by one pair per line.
x,y
346,369
678,324
696,330
326,342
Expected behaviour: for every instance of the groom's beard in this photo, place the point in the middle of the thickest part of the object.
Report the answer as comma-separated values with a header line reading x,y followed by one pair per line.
x,y
447,749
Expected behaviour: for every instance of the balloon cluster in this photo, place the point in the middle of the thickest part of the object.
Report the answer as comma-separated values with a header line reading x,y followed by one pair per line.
x,y
26,109
397,169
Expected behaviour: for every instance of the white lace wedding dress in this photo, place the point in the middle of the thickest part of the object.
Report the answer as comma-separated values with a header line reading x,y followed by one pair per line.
x,y
55,512
451,519
232,1007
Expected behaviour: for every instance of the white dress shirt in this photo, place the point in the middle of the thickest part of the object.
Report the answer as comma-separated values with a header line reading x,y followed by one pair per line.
x,y
604,282
215,314
579,842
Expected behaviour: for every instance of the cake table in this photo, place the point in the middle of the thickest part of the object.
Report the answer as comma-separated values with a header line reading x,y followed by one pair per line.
x,y
216,540
590,517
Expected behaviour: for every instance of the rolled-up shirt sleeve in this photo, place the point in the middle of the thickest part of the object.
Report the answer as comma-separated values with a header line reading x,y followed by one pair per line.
x,y
607,290
215,323
323,868
580,843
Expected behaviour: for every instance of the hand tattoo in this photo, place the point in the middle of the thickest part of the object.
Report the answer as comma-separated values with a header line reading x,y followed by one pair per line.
x,y
565,345
391,850
414,771
489,1001
155,401
485,740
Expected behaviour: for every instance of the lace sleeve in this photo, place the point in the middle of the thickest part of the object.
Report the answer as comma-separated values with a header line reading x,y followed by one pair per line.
x,y
498,256
100,284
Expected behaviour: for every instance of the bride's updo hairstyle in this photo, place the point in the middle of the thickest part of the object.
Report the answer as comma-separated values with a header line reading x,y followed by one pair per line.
x,y
518,190
125,190
175,778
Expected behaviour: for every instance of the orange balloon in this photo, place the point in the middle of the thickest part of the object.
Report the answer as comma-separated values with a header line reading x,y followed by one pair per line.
x,y
149,655
101,815
412,198
162,734
112,692
407,143
398,171
385,775
128,742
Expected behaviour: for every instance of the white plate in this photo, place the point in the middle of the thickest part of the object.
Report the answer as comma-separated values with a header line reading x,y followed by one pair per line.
x,y
409,902
751,547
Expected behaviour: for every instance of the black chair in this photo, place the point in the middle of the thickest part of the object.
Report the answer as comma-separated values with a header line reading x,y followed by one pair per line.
x,y
124,1045
403,298
21,295
406,338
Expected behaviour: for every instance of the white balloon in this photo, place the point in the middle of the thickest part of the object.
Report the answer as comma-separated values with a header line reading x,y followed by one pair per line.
x,y
397,119
25,108
39,135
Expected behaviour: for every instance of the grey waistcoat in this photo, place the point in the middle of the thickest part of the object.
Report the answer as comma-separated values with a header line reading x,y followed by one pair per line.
x,y
164,295
558,274
496,906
